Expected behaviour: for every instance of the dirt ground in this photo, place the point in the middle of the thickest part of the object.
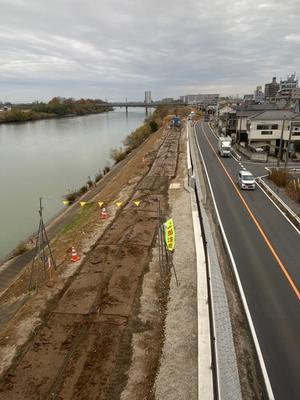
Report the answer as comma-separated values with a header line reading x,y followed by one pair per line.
x,y
71,338
112,325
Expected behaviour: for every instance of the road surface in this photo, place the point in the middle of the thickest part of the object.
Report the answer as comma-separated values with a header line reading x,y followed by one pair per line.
x,y
265,247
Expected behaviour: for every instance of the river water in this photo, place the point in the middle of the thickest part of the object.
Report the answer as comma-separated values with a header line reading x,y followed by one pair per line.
x,y
48,159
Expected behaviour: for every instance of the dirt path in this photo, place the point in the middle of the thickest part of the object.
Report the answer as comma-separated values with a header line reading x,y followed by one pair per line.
x,y
82,348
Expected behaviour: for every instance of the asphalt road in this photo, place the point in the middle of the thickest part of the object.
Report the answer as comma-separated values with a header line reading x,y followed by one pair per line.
x,y
265,248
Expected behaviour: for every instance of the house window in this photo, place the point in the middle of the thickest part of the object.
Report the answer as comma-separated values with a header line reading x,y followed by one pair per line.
x,y
297,133
261,127
266,132
274,126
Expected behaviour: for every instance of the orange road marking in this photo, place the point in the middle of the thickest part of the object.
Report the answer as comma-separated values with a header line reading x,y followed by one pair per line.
x,y
271,248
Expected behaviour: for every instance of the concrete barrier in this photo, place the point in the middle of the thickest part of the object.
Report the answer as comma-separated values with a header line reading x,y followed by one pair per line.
x,y
253,156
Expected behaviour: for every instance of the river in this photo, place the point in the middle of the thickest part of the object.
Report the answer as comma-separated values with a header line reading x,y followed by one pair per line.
x,y
48,159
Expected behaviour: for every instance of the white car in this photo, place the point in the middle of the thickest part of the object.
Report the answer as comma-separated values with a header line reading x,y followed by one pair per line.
x,y
246,180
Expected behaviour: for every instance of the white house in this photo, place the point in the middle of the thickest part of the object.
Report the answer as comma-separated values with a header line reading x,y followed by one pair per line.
x,y
265,129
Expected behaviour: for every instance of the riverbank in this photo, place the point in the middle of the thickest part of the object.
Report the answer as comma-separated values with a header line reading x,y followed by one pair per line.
x,y
14,116
52,158
123,242
131,142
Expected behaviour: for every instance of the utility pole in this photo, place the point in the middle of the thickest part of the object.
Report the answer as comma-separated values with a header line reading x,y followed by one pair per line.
x,y
280,144
288,146
240,130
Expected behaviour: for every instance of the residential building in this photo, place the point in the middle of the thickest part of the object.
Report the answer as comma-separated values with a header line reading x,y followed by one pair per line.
x,y
271,89
258,95
148,96
225,116
287,85
242,115
5,108
295,93
264,129
167,100
201,99
248,98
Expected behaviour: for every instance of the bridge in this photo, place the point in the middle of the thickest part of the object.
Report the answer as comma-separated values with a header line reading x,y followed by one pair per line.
x,y
133,104
126,104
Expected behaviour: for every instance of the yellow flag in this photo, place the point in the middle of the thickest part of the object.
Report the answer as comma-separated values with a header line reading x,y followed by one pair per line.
x,y
169,234
83,203
100,203
137,202
66,202
119,203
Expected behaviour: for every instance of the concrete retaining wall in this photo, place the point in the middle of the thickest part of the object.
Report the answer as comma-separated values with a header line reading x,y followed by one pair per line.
x,y
260,157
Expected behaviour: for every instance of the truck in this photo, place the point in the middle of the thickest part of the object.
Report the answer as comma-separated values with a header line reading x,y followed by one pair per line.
x,y
176,121
224,146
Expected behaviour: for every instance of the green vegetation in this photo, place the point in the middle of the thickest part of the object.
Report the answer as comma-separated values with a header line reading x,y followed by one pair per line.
x,y
20,249
131,142
137,137
56,107
62,107
98,176
79,218
288,181
23,116
117,154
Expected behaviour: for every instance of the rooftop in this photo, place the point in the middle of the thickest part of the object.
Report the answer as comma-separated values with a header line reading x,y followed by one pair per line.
x,y
275,115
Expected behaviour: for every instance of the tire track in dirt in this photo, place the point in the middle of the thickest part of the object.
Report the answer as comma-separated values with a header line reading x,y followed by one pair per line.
x,y
86,338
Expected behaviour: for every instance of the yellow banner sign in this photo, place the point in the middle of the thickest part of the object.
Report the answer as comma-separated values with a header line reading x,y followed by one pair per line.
x,y
137,202
100,203
66,202
169,234
82,203
119,203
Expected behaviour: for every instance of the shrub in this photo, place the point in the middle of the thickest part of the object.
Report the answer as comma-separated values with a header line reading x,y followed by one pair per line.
x,y
20,249
98,177
82,190
90,183
279,177
106,169
71,197
153,126
134,139
293,189
118,154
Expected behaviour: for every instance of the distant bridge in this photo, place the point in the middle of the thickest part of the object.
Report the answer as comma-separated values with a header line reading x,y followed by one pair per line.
x,y
133,104
126,104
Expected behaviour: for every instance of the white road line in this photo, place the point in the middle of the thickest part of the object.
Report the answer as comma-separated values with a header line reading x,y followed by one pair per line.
x,y
233,156
247,311
264,176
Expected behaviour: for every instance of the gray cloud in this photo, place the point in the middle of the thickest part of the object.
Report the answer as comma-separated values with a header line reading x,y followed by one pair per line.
x,y
118,49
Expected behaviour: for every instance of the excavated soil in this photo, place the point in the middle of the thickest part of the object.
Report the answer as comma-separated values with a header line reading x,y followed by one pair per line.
x,y
81,349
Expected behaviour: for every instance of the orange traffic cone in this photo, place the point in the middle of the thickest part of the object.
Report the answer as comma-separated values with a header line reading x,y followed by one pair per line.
x,y
103,214
74,257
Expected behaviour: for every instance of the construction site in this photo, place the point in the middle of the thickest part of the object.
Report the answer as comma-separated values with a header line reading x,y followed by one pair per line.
x,y
113,305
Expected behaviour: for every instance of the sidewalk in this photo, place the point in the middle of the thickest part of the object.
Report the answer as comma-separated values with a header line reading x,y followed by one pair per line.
x,y
177,378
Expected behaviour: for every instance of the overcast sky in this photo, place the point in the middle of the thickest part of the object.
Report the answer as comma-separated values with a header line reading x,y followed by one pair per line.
x,y
119,48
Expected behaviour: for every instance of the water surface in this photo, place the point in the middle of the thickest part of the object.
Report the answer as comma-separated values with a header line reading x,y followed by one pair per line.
x,y
48,159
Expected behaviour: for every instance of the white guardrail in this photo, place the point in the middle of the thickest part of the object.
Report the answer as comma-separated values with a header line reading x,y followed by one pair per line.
x,y
287,209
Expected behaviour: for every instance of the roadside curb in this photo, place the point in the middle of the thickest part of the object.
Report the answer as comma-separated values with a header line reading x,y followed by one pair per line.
x,y
205,369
